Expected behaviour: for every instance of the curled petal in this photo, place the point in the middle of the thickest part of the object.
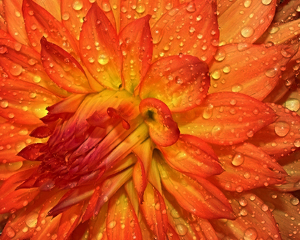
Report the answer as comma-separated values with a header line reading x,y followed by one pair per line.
x,y
63,69
190,28
247,167
180,81
99,49
226,118
246,29
193,156
281,137
162,129
39,23
198,197
137,47
232,61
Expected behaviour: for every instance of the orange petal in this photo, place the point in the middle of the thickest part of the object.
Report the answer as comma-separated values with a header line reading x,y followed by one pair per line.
x,y
283,33
122,222
97,225
100,51
255,19
193,156
139,178
63,69
154,209
285,209
23,63
69,220
255,220
105,191
137,51
281,137
247,167
190,28
181,82
74,11
232,61
23,102
198,197
9,169
162,129
226,118
40,23
15,21
52,7
135,10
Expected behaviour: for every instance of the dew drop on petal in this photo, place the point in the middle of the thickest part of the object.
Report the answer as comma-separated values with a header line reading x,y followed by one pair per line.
x,y
10,232
247,3
292,104
140,8
112,224
15,165
191,7
250,234
31,220
247,32
220,55
294,201
271,72
282,129
65,16
266,2
181,229
174,213
103,59
4,104
77,5
236,88
16,70
238,159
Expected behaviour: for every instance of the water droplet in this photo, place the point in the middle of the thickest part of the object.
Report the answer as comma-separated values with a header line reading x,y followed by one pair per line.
x,y
77,5
292,104
216,74
174,213
266,2
250,234
4,104
207,113
181,229
3,49
238,159
220,55
31,220
247,32
191,7
10,232
16,70
65,16
243,202
282,129
157,35
106,7
14,166
103,59
216,131
112,224
226,69
236,88
294,201
140,8
271,72
37,79
247,3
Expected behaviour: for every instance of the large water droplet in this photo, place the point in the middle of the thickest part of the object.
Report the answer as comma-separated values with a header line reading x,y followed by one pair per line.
x,y
247,32
16,70
238,159
282,128
77,5
112,224
266,2
103,59
181,229
31,220
250,234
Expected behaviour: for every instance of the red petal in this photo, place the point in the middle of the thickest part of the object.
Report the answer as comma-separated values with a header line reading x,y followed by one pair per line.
x,y
137,48
41,132
180,81
247,167
191,155
122,222
32,151
15,21
255,220
73,12
236,27
39,23
99,48
226,118
23,102
281,137
154,209
63,69
162,129
190,28
233,61
23,63
198,197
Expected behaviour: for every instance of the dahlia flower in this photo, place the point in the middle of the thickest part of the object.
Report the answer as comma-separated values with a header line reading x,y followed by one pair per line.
x,y
162,119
